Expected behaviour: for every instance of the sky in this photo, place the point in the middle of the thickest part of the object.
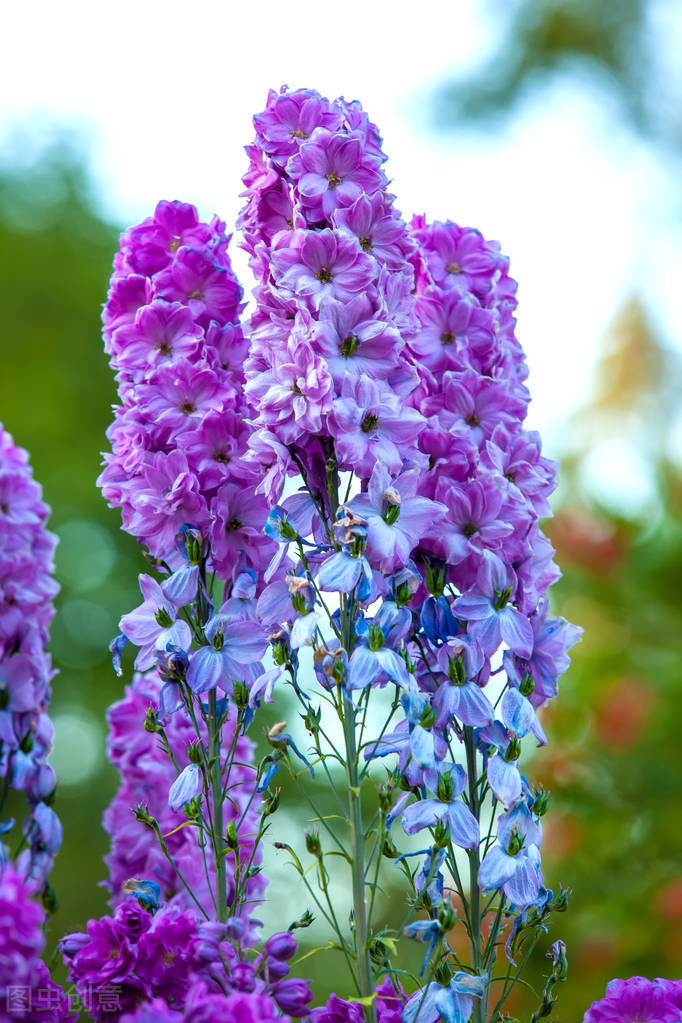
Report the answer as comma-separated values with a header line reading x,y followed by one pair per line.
x,y
164,94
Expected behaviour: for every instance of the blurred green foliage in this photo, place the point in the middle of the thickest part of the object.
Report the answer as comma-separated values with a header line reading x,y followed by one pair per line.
x,y
615,44
55,393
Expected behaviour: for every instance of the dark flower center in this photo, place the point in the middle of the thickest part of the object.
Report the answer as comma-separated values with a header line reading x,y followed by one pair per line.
x,y
473,420
233,525
324,275
370,422
366,244
333,180
447,337
469,529
164,348
298,134
4,508
221,456
454,268
174,245
348,345
195,294
187,407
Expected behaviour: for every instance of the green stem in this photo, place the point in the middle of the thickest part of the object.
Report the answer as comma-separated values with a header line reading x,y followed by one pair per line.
x,y
474,864
217,794
365,976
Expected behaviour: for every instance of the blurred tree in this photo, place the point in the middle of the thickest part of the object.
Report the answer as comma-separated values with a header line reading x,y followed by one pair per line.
x,y
55,393
619,44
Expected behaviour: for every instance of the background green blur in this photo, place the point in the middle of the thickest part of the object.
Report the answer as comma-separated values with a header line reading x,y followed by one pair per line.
x,y
614,763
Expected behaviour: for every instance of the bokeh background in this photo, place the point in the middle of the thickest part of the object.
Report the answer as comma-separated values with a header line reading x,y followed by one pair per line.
x,y
552,125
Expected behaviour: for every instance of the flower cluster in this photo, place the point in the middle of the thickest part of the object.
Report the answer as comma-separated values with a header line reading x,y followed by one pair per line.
x,y
171,329
27,590
27,994
409,569
142,964
331,256
638,1000
147,776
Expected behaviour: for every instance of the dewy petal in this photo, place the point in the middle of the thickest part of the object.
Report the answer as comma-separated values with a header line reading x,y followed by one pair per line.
x,y
523,886
474,707
496,869
181,587
339,573
422,814
186,786
463,826
205,670
516,631
504,779
363,667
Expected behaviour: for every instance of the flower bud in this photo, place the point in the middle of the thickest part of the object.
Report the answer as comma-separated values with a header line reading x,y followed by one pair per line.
x,y
143,815
527,686
515,843
428,718
441,834
195,753
271,802
435,578
456,672
513,751
231,838
240,694
312,844
281,946
303,921
443,974
445,788
389,849
151,722
447,917
560,902
541,803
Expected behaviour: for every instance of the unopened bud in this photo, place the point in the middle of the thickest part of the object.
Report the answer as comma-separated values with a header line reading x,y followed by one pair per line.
x,y
428,718
271,802
304,921
240,694
403,594
513,751
445,788
447,917
443,974
195,753
435,578
388,848
560,902
456,672
151,722
441,834
231,838
312,844
541,803
527,685
143,815
516,841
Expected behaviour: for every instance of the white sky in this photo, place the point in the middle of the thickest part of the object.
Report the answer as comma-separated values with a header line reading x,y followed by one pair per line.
x,y
166,91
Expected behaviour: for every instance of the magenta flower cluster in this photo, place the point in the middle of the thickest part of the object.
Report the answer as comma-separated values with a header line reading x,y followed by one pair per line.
x,y
138,966
147,774
171,329
27,995
27,590
638,1000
